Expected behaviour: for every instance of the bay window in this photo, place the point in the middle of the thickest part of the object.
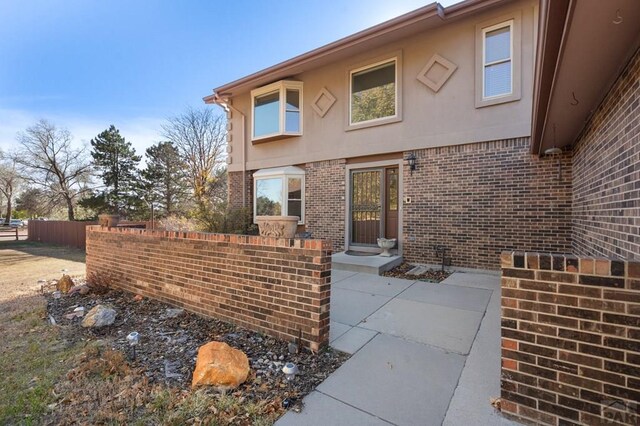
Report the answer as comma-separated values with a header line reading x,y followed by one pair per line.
x,y
276,111
279,192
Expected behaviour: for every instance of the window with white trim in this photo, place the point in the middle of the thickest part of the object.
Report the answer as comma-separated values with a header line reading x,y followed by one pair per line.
x,y
498,76
279,192
373,92
276,110
497,60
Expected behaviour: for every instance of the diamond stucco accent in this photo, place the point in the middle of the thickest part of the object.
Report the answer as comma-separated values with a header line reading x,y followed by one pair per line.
x,y
323,102
436,72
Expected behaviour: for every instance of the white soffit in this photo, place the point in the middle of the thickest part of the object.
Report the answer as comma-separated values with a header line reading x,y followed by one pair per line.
x,y
279,171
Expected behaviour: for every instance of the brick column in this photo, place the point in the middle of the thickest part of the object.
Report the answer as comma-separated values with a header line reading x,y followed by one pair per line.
x,y
570,339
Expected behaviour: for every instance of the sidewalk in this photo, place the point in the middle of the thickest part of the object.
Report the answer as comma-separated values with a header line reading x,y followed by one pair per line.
x,y
423,354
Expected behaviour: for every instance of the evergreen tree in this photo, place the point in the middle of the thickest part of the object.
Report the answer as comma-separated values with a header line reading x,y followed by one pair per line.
x,y
117,165
165,178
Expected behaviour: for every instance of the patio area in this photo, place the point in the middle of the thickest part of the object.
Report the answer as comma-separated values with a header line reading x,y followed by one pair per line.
x,y
423,353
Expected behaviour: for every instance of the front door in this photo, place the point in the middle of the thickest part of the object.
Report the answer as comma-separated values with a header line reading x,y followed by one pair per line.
x,y
374,205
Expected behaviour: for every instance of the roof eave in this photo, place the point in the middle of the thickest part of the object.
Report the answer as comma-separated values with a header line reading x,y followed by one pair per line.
x,y
554,17
433,10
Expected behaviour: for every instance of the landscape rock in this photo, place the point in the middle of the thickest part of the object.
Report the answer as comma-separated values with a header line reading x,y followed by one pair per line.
x,y
221,366
77,313
173,312
65,284
80,289
99,316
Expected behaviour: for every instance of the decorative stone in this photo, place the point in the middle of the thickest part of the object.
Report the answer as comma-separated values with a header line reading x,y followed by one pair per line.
x,y
173,312
417,270
65,284
221,366
277,226
80,289
99,316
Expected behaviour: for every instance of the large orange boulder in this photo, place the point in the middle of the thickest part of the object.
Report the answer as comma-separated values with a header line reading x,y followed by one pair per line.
x,y
221,366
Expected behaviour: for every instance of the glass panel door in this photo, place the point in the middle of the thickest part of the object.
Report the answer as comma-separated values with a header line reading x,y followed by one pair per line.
x,y
366,206
391,203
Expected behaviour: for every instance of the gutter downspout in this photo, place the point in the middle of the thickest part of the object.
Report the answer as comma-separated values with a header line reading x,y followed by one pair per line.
x,y
226,105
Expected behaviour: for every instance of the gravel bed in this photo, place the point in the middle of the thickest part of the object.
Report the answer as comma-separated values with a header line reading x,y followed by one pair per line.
x,y
170,338
430,275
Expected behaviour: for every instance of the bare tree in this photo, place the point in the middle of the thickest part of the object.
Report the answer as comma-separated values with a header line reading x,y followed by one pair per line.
x,y
48,159
9,182
199,135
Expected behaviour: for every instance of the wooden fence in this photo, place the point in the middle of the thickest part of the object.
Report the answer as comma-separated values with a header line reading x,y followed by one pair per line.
x,y
61,232
69,233
7,233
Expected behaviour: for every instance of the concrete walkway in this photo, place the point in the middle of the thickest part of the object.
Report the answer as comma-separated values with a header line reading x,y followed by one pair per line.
x,y
423,354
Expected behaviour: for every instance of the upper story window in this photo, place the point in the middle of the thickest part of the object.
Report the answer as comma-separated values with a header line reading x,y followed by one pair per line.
x,y
374,93
277,110
279,192
498,59
497,67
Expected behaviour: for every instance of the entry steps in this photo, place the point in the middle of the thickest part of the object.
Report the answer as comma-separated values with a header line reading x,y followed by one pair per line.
x,y
368,264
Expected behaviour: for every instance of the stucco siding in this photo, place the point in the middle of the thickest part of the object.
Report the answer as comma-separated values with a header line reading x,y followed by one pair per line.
x,y
429,119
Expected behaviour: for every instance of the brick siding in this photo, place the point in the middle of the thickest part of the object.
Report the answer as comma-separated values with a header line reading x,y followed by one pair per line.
x,y
570,339
325,201
234,189
606,163
275,286
481,199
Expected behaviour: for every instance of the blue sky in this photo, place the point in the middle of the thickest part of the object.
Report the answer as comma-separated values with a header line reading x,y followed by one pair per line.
x,y
86,64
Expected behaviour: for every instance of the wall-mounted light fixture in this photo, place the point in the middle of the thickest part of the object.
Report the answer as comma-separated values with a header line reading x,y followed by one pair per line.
x,y
411,161
555,152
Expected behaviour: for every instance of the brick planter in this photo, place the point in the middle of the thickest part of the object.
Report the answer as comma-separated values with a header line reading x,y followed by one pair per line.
x,y
273,285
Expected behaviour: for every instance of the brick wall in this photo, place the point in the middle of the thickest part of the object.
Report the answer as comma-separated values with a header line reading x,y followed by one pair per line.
x,y
606,163
481,199
325,200
570,339
234,189
276,286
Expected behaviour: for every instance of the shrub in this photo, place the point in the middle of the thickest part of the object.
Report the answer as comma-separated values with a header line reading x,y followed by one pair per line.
x,y
100,282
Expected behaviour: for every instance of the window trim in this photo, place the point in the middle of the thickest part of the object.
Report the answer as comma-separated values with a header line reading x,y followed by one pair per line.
x,y
485,64
395,57
514,22
285,173
281,87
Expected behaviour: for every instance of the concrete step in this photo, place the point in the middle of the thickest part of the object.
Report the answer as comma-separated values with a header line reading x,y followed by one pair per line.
x,y
367,264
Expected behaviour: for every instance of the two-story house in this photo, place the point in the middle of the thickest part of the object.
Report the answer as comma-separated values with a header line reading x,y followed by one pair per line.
x,y
419,129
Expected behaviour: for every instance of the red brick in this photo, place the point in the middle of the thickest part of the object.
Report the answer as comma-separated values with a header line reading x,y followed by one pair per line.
x,y
265,284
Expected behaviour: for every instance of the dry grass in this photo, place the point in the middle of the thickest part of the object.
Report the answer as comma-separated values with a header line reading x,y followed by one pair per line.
x,y
22,264
50,376
32,359
104,389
